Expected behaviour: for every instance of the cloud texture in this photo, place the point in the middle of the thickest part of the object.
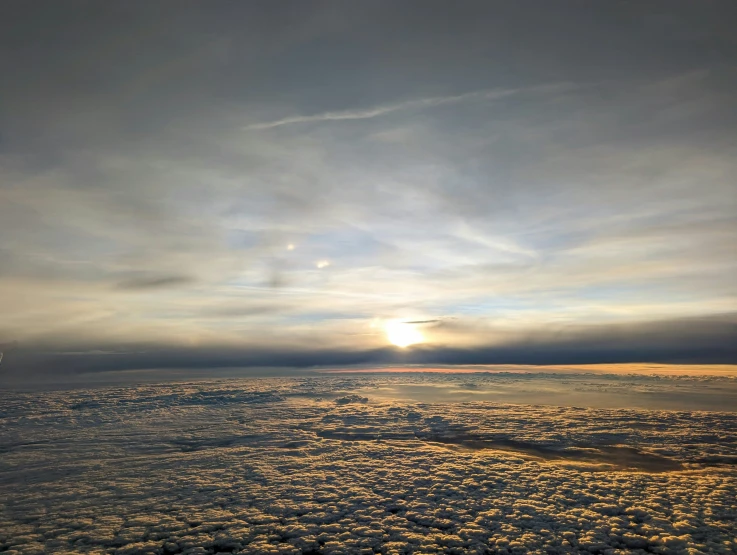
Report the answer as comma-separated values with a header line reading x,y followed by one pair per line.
x,y
291,466
242,177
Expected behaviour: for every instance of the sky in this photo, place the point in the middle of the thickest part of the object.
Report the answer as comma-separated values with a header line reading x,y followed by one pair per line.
x,y
280,184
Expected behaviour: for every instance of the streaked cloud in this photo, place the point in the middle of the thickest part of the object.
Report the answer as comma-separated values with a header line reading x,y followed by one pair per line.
x,y
497,174
415,104
160,282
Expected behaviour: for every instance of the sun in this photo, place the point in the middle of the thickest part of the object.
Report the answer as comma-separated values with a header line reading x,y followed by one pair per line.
x,y
402,334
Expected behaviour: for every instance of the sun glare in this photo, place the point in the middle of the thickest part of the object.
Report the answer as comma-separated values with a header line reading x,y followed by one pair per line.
x,y
402,334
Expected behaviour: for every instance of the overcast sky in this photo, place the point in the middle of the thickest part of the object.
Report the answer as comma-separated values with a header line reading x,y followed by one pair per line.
x,y
287,177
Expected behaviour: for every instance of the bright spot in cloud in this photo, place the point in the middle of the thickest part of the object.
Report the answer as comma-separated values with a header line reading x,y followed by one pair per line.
x,y
290,247
322,264
402,334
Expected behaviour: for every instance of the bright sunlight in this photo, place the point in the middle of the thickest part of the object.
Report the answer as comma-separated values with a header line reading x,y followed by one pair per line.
x,y
402,334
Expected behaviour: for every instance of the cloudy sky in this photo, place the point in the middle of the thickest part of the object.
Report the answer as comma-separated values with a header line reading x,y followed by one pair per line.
x,y
280,183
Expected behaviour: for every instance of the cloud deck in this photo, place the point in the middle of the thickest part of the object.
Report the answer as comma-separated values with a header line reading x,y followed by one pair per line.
x,y
307,465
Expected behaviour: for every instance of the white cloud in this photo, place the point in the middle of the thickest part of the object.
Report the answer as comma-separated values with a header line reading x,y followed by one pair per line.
x,y
415,104
246,465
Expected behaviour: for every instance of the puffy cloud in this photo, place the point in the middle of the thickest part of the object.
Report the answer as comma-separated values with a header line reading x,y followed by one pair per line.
x,y
201,467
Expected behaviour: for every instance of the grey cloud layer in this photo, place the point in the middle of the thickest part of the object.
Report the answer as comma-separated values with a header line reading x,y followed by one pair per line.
x,y
156,161
688,341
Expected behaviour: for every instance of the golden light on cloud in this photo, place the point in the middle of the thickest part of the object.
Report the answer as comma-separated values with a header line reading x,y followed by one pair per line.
x,y
322,263
290,247
402,334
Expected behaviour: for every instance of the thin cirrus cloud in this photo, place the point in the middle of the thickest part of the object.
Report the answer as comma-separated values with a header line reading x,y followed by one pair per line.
x,y
414,104
486,170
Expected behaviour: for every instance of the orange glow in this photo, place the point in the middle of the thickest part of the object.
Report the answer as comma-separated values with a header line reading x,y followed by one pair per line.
x,y
625,368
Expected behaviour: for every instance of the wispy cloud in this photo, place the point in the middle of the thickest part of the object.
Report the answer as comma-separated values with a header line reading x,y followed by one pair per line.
x,y
159,282
544,188
414,104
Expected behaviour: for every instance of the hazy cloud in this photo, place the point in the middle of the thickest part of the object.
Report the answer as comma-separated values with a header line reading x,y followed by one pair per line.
x,y
692,341
163,282
498,167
